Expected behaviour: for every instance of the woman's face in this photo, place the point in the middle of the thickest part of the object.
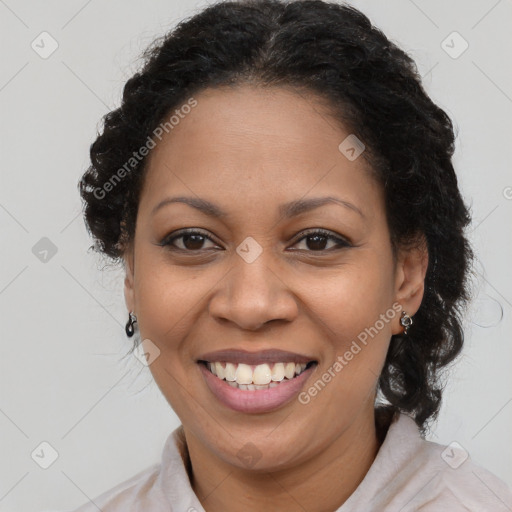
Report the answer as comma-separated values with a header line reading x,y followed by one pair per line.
x,y
252,289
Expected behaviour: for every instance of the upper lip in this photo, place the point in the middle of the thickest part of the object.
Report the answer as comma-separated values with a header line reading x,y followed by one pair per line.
x,y
255,358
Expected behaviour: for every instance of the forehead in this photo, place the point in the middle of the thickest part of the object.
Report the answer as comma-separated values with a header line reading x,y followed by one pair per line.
x,y
257,145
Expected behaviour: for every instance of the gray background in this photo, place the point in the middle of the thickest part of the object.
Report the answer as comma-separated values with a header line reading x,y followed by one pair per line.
x,y
63,379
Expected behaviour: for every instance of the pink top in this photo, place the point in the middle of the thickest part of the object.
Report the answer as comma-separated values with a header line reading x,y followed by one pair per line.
x,y
408,474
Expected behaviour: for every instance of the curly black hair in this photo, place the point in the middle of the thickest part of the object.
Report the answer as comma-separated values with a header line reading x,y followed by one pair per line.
x,y
373,88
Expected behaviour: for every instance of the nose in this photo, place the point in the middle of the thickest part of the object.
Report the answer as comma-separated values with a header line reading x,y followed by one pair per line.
x,y
253,294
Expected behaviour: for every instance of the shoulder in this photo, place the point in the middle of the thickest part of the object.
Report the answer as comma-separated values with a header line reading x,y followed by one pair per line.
x,y
451,477
413,474
161,487
134,494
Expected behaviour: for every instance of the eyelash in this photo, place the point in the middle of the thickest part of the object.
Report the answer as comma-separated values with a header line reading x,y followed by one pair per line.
x,y
341,243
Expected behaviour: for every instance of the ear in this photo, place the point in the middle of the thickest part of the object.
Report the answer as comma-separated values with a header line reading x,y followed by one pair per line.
x,y
411,269
129,294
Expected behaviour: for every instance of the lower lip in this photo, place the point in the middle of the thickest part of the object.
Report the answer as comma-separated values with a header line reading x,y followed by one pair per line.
x,y
258,400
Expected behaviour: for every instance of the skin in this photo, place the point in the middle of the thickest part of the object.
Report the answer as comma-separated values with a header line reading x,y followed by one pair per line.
x,y
248,150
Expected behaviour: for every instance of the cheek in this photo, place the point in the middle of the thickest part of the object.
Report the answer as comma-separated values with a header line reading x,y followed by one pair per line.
x,y
167,297
354,298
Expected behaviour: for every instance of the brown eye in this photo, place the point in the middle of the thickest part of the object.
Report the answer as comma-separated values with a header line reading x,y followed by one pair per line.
x,y
317,241
191,240
194,240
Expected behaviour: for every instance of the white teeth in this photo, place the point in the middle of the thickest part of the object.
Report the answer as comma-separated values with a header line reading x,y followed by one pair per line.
x,y
229,372
289,370
261,376
243,374
278,372
219,370
299,368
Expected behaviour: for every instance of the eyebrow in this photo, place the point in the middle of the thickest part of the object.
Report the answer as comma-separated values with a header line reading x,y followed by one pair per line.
x,y
287,210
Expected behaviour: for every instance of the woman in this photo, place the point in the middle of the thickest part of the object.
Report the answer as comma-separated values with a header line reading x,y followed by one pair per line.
x,y
280,191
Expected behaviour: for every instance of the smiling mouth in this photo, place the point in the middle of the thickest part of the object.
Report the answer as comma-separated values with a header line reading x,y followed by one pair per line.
x,y
255,377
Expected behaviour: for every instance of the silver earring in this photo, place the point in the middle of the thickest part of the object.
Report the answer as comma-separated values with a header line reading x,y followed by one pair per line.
x,y
130,329
406,321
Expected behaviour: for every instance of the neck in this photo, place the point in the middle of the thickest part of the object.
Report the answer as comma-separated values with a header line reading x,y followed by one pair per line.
x,y
333,474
